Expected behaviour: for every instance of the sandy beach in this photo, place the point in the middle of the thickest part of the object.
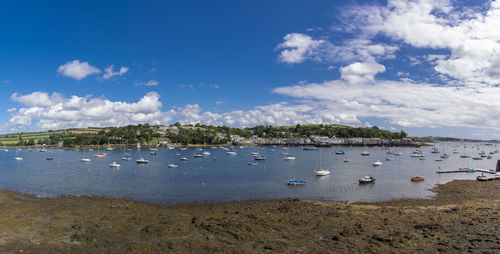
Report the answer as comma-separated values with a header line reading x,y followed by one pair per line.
x,y
462,217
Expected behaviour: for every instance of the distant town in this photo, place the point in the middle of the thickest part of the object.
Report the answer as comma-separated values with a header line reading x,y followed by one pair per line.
x,y
185,135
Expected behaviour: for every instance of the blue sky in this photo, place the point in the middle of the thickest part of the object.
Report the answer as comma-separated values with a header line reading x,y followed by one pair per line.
x,y
426,67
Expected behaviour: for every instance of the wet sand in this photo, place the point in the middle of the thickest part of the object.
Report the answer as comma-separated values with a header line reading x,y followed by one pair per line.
x,y
462,217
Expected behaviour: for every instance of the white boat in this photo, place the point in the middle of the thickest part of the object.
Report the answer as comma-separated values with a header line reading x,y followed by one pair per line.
x,y
289,158
183,159
198,155
142,160
347,160
388,159
85,160
398,153
255,153
205,153
366,179
18,158
231,153
109,148
173,165
126,158
171,147
321,172
416,154
114,165
377,163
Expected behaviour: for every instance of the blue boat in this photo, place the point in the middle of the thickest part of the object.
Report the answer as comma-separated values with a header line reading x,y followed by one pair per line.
x,y
367,179
296,182
309,148
339,152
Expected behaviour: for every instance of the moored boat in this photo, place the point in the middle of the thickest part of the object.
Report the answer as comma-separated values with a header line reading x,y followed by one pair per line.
x,y
142,160
417,178
367,179
296,182
171,165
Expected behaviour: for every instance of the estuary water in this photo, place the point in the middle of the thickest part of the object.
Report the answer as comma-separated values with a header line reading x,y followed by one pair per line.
x,y
221,177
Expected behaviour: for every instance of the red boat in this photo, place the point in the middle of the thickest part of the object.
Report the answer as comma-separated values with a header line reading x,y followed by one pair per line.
x,y
417,178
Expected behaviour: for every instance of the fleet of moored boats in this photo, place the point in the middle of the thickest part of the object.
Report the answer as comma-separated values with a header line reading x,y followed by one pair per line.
x,y
258,157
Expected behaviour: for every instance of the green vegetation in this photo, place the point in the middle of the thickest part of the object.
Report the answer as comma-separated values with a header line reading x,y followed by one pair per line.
x,y
197,134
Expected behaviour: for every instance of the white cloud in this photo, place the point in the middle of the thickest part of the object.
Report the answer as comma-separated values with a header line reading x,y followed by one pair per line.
x,y
469,35
56,112
361,72
36,99
148,83
10,110
297,47
405,103
77,70
109,73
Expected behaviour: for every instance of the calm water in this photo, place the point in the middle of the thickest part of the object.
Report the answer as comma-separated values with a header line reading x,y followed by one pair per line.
x,y
230,178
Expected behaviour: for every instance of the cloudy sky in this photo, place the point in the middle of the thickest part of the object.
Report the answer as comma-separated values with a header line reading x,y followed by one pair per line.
x,y
429,67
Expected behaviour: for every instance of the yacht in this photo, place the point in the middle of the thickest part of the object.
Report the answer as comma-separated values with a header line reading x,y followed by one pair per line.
x,y
377,163
114,165
289,158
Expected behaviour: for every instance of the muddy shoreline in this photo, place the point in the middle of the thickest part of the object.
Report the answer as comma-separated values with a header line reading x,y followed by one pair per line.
x,y
462,217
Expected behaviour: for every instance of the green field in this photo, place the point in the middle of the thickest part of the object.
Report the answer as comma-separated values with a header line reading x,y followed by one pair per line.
x,y
13,138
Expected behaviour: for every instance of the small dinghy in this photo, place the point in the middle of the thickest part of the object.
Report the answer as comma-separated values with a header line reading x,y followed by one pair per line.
x,y
417,179
296,182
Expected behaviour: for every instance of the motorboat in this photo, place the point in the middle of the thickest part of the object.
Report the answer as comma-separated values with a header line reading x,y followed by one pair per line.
x,y
322,172
198,155
259,158
434,150
296,182
339,152
126,158
252,163
309,148
365,153
289,158
85,160
205,153
114,165
17,158
398,153
171,165
231,153
367,179
152,153
445,156
347,160
388,159
142,160
377,163
417,178
183,159
477,158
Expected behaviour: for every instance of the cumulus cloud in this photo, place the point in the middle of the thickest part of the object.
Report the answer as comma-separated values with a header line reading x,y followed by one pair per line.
x,y
297,47
77,70
361,72
35,99
109,73
469,35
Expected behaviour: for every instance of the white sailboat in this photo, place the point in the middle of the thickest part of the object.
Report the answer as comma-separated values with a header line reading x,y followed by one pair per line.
x,y
83,159
18,158
321,172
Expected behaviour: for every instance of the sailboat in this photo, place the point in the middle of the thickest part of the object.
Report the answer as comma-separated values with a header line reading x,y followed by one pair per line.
x,y
321,172
83,159
99,154
18,158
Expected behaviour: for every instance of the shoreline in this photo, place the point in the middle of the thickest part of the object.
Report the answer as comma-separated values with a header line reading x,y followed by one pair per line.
x,y
461,217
